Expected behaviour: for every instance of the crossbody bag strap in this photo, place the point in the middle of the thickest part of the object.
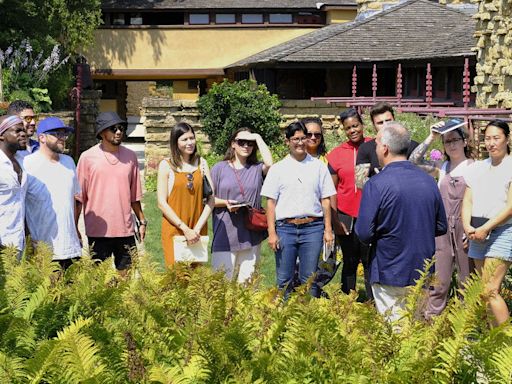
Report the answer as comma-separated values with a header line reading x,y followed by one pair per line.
x,y
238,180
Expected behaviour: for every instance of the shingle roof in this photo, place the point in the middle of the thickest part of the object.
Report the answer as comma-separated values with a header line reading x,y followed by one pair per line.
x,y
220,4
415,29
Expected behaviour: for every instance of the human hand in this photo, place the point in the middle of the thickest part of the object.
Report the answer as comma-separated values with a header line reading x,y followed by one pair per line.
x,y
435,135
329,237
273,241
229,204
191,235
142,232
481,234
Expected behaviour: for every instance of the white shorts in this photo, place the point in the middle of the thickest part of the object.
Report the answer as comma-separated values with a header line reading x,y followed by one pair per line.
x,y
389,300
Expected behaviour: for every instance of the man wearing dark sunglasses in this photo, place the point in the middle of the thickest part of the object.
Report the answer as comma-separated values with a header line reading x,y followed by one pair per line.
x,y
110,181
52,206
25,111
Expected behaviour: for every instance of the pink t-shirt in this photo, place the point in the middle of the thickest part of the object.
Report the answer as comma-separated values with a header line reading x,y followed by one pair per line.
x,y
110,183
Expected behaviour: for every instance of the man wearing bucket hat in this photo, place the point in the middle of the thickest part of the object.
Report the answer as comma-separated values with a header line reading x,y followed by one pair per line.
x,y
13,183
52,209
110,182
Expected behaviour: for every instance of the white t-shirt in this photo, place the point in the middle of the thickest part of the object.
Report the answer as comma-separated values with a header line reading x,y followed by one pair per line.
x,y
459,170
298,186
489,185
50,205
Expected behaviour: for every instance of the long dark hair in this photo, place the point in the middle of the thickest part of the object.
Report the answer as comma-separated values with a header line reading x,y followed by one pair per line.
x,y
230,152
503,125
176,132
321,150
468,150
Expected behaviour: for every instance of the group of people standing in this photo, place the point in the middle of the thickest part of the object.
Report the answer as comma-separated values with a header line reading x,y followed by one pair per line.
x,y
374,198
42,187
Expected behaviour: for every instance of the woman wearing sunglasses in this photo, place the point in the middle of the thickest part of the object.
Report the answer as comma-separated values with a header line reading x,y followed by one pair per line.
x,y
237,181
451,248
180,191
315,144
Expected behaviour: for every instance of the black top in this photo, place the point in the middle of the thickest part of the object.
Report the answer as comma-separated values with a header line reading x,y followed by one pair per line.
x,y
367,154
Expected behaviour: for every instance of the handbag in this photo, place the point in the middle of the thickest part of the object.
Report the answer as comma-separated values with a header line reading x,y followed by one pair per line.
x,y
255,218
207,188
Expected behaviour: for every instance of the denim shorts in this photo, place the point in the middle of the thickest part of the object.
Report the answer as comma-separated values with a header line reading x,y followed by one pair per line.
x,y
499,245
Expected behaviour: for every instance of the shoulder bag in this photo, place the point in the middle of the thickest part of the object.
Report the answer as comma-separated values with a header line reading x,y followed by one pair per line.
x,y
256,218
207,188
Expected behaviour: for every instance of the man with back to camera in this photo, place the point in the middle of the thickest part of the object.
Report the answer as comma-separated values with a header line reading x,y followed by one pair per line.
x,y
400,220
367,163
25,111
13,183
110,185
52,209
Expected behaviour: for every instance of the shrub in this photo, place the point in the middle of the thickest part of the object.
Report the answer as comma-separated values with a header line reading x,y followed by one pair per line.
x,y
228,106
191,325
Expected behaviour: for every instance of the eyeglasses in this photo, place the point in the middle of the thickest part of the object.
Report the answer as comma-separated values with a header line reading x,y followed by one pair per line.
x,y
311,135
58,135
452,141
116,128
244,143
190,184
28,119
297,140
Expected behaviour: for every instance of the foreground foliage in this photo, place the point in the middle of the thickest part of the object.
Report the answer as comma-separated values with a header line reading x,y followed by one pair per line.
x,y
192,326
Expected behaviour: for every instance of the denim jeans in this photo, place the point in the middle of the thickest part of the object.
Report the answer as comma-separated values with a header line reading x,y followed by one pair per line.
x,y
304,242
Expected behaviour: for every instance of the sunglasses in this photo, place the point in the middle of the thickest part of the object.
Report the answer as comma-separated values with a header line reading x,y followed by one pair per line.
x,y
190,183
311,135
116,128
58,135
245,143
28,119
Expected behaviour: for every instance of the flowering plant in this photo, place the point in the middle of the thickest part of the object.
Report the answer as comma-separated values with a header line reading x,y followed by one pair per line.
x,y
25,73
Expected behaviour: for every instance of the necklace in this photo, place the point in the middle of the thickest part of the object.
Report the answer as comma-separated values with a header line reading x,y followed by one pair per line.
x,y
113,154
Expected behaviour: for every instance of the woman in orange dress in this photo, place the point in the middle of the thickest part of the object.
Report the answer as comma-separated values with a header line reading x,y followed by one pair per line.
x,y
180,191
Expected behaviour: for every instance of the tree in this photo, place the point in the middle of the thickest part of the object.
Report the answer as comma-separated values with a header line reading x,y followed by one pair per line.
x,y
228,106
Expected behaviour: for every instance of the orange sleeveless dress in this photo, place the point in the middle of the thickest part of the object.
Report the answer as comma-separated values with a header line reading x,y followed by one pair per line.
x,y
187,203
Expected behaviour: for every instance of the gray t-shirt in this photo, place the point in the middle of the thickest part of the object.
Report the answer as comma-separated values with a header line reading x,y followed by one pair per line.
x,y
229,231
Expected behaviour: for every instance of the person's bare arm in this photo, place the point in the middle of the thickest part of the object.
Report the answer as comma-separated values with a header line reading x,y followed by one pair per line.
x,y
273,239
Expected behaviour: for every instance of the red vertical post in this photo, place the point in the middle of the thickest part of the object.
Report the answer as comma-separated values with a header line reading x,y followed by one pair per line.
x,y
399,84
428,87
354,81
79,74
374,82
466,86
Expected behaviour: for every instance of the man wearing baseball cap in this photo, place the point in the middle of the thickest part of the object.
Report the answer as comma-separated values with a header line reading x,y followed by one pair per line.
x,y
52,208
13,183
109,178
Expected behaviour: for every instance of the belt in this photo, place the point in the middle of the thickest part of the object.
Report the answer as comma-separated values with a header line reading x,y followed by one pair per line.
x,y
302,220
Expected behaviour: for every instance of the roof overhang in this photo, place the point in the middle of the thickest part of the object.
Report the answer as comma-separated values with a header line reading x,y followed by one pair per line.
x,y
155,74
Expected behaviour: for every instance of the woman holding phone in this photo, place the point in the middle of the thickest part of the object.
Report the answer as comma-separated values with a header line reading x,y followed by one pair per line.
x,y
237,181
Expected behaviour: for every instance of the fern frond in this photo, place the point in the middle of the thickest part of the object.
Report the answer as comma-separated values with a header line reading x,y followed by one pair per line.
x,y
11,369
192,373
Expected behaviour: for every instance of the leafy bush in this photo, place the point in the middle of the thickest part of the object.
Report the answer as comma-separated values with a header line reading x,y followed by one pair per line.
x,y
190,325
228,106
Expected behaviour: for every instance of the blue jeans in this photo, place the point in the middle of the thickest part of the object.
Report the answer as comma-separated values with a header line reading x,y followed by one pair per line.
x,y
304,241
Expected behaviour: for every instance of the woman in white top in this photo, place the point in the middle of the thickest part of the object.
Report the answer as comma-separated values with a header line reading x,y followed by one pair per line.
x,y
487,216
451,248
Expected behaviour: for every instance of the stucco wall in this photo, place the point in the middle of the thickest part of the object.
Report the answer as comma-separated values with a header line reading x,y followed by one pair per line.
x,y
340,16
182,48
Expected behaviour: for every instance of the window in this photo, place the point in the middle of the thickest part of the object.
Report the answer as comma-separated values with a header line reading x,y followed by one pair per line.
x,y
193,84
164,18
118,19
280,18
136,19
225,18
252,18
309,18
199,18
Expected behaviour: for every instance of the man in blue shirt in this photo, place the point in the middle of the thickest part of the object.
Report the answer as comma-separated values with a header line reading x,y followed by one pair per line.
x,y
401,213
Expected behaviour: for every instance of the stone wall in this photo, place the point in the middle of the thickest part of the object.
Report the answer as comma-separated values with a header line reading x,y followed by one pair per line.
x,y
367,8
90,105
493,82
135,92
162,114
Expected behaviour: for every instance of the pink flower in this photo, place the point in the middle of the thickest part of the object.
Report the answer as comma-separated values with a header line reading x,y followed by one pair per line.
x,y
436,155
